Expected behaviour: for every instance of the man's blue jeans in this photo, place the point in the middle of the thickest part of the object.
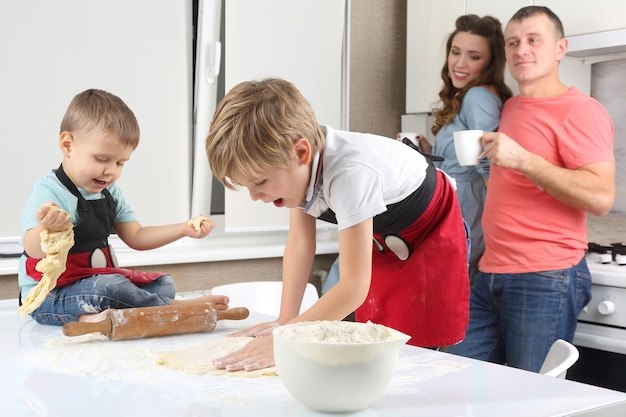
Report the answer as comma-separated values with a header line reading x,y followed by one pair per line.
x,y
515,318
99,292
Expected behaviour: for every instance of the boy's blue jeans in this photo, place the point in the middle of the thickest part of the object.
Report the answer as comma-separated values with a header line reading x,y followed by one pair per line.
x,y
99,292
515,318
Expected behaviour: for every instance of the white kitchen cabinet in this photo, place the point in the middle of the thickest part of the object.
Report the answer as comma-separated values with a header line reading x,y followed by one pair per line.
x,y
578,16
301,53
428,25
502,10
584,16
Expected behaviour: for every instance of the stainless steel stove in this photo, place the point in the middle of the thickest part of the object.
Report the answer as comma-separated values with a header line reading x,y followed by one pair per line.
x,y
601,331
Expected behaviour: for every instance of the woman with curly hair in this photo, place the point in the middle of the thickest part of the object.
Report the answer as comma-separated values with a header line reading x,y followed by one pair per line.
x,y
472,97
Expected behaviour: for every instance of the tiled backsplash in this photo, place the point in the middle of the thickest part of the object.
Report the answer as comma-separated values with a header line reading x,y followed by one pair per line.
x,y
608,86
607,229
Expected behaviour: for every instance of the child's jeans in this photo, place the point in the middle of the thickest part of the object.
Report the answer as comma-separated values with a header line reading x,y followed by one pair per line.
x,y
98,293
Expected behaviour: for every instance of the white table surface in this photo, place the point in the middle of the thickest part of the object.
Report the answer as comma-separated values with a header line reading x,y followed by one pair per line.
x,y
43,373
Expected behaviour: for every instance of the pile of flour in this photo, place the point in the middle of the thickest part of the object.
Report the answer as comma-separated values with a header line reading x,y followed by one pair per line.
x,y
336,332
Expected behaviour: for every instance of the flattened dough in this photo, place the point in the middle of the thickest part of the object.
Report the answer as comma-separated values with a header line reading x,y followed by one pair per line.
x,y
56,246
198,359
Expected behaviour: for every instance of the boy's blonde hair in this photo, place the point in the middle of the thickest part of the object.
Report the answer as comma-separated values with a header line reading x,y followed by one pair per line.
x,y
98,110
254,128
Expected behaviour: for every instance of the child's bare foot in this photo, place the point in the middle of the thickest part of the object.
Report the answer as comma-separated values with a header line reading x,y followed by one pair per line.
x,y
94,317
219,302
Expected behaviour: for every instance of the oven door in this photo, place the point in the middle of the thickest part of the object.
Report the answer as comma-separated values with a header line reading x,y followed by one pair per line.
x,y
607,338
602,360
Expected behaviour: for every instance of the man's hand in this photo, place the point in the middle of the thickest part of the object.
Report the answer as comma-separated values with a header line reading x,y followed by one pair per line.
x,y
503,151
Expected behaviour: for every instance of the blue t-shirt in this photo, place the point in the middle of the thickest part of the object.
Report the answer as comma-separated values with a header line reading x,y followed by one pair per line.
x,y
49,188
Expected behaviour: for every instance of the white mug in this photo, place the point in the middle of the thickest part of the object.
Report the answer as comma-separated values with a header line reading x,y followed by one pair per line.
x,y
468,147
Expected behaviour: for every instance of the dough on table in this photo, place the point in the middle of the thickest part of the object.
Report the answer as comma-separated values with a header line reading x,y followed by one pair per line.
x,y
56,246
197,221
198,359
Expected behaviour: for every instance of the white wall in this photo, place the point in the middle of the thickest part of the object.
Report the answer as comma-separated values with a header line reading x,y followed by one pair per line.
x,y
139,50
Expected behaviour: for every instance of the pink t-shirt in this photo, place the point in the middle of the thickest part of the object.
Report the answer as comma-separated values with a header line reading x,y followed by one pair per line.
x,y
526,230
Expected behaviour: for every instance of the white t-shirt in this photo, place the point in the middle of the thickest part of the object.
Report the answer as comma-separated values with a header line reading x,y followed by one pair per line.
x,y
361,175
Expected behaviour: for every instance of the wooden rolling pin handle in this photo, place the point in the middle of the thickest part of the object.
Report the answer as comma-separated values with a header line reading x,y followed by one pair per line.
x,y
236,313
78,328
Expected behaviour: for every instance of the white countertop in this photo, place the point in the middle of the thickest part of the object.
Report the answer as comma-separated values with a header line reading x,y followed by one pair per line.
x,y
218,246
47,374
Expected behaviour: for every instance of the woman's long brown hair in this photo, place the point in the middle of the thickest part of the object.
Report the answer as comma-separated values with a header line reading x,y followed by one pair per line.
x,y
450,97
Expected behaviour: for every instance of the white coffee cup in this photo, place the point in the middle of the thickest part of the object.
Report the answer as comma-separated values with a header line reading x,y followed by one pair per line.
x,y
468,147
410,135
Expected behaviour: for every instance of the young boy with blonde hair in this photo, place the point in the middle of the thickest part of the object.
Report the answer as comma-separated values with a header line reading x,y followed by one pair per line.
x,y
98,135
413,276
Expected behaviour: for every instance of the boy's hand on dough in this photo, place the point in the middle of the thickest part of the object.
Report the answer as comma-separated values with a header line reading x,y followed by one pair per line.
x,y
256,354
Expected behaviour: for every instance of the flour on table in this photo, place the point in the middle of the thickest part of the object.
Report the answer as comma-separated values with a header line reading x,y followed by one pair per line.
x,y
198,360
414,374
337,332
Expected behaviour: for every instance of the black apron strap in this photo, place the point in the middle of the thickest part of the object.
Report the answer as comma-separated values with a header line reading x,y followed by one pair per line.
x,y
83,205
65,180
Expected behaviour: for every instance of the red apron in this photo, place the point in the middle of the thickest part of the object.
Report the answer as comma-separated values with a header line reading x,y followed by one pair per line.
x,y
79,266
427,295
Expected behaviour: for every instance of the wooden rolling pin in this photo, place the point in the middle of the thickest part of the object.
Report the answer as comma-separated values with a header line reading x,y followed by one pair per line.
x,y
135,323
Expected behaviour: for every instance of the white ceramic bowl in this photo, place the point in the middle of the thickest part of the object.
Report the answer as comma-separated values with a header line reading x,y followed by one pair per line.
x,y
336,366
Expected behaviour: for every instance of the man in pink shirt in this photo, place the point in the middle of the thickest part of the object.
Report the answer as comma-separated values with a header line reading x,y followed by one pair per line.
x,y
552,162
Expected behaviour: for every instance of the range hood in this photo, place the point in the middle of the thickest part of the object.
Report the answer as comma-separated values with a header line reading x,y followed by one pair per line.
x,y
599,46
